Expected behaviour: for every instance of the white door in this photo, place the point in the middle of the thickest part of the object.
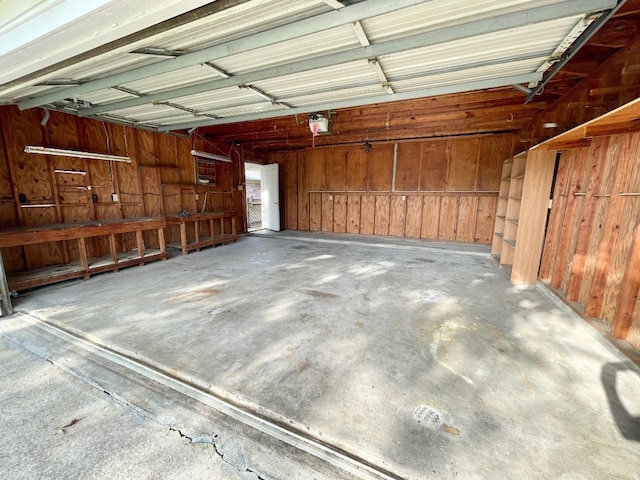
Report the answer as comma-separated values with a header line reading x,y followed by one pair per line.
x,y
270,195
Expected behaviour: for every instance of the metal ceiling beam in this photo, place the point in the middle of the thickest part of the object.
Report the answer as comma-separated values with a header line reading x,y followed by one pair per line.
x,y
317,23
448,89
535,55
443,35
577,45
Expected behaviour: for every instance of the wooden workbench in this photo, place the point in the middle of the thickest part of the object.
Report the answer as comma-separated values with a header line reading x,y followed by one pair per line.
x,y
193,240
80,232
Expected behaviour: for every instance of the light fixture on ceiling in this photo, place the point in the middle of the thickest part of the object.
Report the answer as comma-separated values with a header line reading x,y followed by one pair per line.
x,y
210,156
75,154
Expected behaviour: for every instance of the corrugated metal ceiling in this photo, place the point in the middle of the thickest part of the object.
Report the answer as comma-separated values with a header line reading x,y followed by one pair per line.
x,y
278,57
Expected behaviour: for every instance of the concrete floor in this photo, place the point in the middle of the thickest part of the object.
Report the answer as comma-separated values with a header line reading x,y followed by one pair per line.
x,y
419,360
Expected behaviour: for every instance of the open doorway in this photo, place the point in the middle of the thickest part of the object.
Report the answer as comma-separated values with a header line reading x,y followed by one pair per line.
x,y
262,192
252,176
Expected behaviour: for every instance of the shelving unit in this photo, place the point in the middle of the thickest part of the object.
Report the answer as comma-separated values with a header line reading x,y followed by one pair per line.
x,y
501,210
521,214
508,210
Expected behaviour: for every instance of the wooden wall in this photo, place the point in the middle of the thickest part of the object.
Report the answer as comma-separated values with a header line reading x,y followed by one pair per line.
x,y
592,248
608,86
441,189
159,180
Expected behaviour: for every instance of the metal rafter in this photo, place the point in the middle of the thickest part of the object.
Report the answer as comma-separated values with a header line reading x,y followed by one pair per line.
x,y
334,4
444,90
317,23
443,35
266,96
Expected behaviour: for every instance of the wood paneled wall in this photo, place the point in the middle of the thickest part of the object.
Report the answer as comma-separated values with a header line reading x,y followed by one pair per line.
x,y
444,189
159,180
592,247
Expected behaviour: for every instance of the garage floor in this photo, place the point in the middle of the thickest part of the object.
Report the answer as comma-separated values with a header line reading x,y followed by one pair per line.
x,y
417,360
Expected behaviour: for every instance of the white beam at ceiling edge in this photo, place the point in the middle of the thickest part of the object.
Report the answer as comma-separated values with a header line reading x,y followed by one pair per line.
x,y
430,92
317,23
443,35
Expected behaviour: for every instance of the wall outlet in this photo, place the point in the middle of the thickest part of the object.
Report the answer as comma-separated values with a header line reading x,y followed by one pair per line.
x,y
240,187
330,197
114,197
197,196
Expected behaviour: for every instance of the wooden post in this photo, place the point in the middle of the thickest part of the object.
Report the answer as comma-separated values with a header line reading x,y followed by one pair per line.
x,y
533,215
183,236
84,258
5,294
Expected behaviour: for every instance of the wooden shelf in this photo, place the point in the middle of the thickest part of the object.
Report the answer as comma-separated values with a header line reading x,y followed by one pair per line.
x,y
80,232
197,242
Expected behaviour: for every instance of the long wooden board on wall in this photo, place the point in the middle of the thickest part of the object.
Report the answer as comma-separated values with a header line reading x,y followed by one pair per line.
x,y
438,189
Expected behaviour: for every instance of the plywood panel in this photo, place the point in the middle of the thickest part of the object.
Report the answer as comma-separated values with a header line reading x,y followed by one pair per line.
x,y
408,167
463,164
62,131
151,191
6,188
448,218
397,214
611,231
335,173
621,262
185,162
30,172
303,195
13,257
413,217
381,220
430,217
167,150
315,212
340,213
146,148
188,198
356,170
315,169
494,149
435,162
572,209
171,199
485,219
380,168
353,214
466,222
327,212
102,183
600,181
367,214
291,191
